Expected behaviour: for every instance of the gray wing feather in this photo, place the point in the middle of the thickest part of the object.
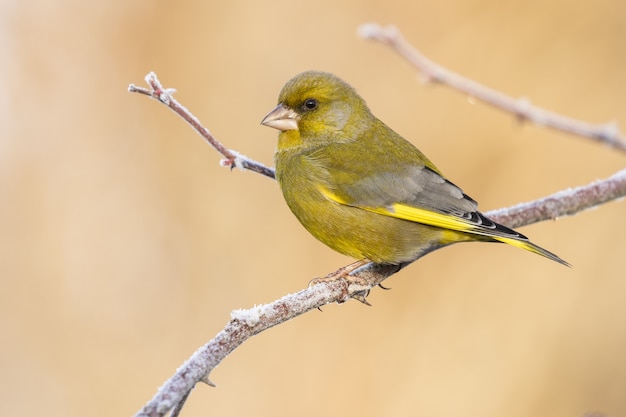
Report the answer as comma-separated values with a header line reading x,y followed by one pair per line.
x,y
416,186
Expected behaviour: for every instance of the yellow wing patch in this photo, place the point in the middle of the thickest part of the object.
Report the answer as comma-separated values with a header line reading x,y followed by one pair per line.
x,y
428,217
331,196
413,214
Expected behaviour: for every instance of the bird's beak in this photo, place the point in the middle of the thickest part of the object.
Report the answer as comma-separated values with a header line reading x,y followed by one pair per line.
x,y
282,118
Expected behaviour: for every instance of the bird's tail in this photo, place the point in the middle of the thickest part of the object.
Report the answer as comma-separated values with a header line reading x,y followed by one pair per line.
x,y
531,247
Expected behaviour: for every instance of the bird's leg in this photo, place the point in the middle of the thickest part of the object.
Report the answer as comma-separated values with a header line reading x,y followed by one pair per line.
x,y
343,272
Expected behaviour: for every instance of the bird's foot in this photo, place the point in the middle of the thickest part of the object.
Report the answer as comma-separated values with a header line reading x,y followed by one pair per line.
x,y
358,277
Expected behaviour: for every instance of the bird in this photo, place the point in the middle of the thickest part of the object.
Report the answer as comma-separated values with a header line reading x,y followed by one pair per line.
x,y
361,188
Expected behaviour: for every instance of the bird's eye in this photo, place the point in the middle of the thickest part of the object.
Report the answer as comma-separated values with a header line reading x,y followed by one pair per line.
x,y
310,104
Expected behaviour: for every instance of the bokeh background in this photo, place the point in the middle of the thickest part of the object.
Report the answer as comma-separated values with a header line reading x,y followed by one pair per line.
x,y
124,244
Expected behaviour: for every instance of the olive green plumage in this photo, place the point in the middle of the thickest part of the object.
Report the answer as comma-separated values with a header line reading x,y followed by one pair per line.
x,y
360,188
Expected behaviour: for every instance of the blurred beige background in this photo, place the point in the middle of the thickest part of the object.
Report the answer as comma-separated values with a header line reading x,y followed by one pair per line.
x,y
125,245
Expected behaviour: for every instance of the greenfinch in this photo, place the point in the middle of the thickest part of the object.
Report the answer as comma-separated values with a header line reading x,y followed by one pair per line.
x,y
362,189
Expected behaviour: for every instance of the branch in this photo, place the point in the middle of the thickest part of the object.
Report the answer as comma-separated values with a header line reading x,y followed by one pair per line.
x,y
608,133
247,323
232,158
563,203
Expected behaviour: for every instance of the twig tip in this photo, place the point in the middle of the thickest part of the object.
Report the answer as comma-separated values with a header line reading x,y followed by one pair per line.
x,y
374,31
369,30
151,77
207,381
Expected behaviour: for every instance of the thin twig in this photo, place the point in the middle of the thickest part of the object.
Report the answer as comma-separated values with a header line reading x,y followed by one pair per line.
x,y
232,158
522,108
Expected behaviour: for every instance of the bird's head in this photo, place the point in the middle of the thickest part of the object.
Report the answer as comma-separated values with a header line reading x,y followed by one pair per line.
x,y
317,106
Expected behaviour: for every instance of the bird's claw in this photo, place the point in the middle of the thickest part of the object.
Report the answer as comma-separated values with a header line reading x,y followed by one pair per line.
x,y
356,286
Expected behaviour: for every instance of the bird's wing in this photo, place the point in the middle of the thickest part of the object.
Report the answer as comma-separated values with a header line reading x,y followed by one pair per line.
x,y
421,195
